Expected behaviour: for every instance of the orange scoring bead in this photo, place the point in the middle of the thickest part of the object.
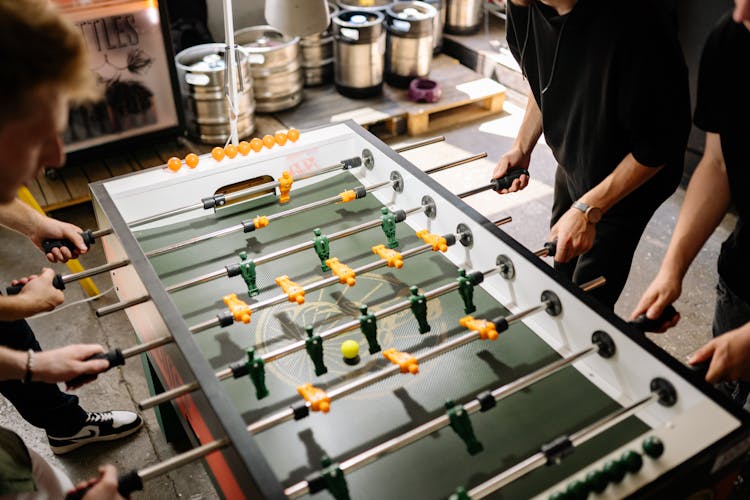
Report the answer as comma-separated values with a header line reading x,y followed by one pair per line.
x,y
292,289
437,242
390,256
485,329
269,141
174,164
285,185
280,138
231,151
240,311
218,153
292,134
244,148
256,144
404,360
191,160
319,400
346,274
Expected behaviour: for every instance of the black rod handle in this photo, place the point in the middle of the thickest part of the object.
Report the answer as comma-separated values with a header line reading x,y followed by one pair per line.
x,y
88,239
646,324
126,484
114,357
506,181
57,282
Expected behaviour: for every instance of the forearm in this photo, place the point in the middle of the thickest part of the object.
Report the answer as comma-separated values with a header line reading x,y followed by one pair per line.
x,y
626,178
20,217
14,307
12,364
531,127
706,201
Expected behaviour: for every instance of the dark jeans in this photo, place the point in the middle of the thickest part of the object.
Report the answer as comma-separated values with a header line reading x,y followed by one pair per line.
x,y
731,312
617,236
41,404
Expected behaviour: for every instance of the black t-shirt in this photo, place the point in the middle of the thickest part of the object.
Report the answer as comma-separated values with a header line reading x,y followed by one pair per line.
x,y
610,79
723,107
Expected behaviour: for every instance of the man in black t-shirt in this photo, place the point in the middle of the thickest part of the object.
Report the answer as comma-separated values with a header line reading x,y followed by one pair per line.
x,y
721,178
609,90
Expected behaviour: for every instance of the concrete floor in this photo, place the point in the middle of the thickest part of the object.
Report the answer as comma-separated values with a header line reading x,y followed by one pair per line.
x,y
119,388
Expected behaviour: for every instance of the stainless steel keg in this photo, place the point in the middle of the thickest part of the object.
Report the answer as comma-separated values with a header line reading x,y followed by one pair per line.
x,y
438,25
276,67
359,52
463,17
408,52
317,55
202,75
364,5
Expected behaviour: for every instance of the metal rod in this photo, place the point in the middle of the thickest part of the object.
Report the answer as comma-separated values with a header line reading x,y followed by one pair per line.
x,y
94,271
205,278
539,458
240,227
104,311
146,346
456,163
472,192
420,144
503,221
424,430
594,284
164,215
101,232
542,252
177,461
317,285
169,395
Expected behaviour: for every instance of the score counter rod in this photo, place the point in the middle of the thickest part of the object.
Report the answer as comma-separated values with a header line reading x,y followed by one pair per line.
x,y
541,458
220,199
248,225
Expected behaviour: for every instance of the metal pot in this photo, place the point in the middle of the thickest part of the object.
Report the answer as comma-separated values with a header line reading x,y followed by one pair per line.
x,y
317,55
408,52
463,17
359,52
201,71
276,66
438,25
364,5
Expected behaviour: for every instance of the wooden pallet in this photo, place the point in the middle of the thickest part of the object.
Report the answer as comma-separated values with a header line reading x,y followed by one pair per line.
x,y
466,96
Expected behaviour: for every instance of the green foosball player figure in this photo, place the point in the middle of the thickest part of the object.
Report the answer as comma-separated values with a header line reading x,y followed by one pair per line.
x,y
419,308
466,290
322,248
388,223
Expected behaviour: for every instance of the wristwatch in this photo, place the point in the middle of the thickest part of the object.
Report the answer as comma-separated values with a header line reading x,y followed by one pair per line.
x,y
591,214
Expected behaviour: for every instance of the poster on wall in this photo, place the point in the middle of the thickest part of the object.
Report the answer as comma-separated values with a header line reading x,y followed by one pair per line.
x,y
131,55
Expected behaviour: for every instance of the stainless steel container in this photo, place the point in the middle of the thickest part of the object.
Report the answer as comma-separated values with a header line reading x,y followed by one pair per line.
x,y
364,5
438,25
202,75
359,52
463,17
276,66
317,55
408,52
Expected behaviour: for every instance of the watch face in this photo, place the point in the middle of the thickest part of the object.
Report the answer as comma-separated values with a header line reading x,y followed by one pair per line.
x,y
593,215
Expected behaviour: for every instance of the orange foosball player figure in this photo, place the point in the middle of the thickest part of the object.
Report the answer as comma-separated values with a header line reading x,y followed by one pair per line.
x,y
318,398
346,274
485,329
404,360
240,310
437,241
260,221
390,256
292,289
285,185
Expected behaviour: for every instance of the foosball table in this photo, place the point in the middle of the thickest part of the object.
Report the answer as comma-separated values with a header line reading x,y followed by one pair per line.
x,y
327,320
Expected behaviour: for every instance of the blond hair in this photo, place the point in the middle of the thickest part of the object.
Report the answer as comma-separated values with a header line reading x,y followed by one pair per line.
x,y
38,46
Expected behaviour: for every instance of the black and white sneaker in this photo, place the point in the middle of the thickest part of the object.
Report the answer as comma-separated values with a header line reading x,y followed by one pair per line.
x,y
99,426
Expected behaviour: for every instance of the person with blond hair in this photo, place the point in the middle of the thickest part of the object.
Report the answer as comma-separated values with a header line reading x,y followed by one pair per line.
x,y
46,70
